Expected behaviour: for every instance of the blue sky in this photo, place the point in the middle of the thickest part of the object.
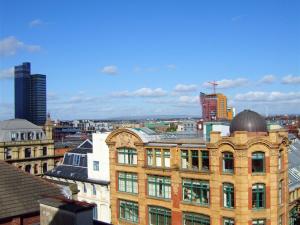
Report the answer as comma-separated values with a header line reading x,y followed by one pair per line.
x,y
113,58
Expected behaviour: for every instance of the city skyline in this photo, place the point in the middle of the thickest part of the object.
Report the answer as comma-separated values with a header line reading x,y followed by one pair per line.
x,y
103,59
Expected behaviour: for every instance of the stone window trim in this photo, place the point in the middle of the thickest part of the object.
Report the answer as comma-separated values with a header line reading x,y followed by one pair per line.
x,y
259,196
188,160
196,191
127,156
225,157
152,159
195,218
130,181
155,211
128,211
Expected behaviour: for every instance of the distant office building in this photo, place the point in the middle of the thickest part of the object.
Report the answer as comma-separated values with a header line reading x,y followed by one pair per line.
x,y
30,95
214,107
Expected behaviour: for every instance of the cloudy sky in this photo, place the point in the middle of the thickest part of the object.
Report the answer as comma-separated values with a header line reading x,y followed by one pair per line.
x,y
113,58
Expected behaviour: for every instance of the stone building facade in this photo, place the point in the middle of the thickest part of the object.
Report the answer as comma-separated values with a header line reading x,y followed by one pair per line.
x,y
240,179
27,146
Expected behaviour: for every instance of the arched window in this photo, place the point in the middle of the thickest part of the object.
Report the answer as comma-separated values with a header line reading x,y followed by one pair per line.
x,y
258,162
228,195
258,196
228,162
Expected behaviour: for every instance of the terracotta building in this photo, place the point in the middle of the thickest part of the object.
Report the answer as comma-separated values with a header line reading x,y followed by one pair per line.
x,y
240,179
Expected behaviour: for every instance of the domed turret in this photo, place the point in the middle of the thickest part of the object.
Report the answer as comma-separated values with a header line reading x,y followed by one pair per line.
x,y
248,121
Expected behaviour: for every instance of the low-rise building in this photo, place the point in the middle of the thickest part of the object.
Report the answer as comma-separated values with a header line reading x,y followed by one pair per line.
x,y
27,146
84,175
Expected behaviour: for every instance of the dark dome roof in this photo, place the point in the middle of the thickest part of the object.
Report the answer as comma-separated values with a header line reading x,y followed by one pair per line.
x,y
248,121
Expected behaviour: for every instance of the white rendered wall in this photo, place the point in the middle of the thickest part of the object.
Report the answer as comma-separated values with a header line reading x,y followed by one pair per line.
x,y
101,154
224,129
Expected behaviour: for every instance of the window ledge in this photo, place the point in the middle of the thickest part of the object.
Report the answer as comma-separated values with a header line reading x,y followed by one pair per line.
x,y
129,193
158,168
227,173
158,198
258,174
195,204
195,171
124,164
128,221
228,208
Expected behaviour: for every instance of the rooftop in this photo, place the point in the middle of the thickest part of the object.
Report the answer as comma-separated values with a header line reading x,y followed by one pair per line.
x,y
20,191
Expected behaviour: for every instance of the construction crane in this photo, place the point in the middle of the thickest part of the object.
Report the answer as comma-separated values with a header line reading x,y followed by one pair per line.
x,y
214,84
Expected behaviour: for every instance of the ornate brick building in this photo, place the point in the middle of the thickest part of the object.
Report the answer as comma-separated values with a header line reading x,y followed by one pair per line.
x,y
240,179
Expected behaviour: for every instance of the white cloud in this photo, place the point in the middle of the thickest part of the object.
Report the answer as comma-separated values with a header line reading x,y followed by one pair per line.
x,y
290,79
110,70
35,23
142,92
225,83
171,66
7,73
268,79
274,96
10,45
185,88
188,99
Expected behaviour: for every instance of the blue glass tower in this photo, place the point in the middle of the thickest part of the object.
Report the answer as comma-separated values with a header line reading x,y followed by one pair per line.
x,y
30,95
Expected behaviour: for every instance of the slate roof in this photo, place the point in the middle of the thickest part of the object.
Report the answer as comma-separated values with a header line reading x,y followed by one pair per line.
x,y
7,126
294,165
74,166
20,191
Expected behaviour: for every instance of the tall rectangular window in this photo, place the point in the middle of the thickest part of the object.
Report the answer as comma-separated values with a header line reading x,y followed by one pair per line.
x,y
76,160
280,192
127,156
94,189
159,216
44,151
129,211
96,165
27,152
7,153
280,160
228,162
184,159
205,160
228,221
195,159
258,162
195,191
128,182
166,158
149,157
159,187
258,196
157,157
195,219
228,195
95,212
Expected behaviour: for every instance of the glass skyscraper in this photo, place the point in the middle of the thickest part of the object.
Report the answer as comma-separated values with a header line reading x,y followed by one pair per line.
x,y
30,95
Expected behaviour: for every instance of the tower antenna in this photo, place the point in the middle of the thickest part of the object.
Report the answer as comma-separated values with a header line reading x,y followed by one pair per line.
x,y
214,85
